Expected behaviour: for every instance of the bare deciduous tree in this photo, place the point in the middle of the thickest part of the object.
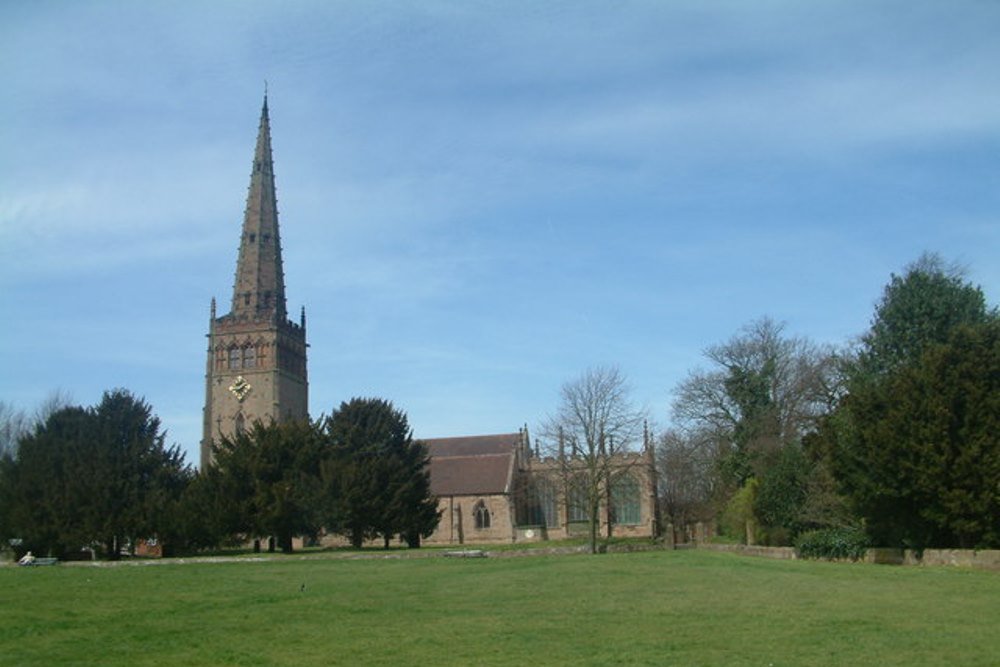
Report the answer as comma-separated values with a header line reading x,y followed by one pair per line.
x,y
595,423
15,423
685,466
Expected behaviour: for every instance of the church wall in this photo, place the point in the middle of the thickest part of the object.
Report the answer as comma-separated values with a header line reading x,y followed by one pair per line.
x,y
458,520
637,465
457,524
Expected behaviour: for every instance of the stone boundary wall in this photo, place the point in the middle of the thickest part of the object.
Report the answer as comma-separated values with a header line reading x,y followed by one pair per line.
x,y
986,559
779,553
977,560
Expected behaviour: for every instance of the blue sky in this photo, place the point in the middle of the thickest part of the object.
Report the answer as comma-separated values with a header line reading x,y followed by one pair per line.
x,y
479,200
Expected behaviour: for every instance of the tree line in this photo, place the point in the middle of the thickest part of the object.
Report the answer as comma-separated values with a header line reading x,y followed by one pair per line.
x,y
893,440
102,478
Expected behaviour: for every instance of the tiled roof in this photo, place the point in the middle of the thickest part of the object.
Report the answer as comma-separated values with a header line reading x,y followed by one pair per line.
x,y
472,465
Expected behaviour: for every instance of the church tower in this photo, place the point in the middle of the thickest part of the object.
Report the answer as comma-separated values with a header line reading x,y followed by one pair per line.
x,y
256,356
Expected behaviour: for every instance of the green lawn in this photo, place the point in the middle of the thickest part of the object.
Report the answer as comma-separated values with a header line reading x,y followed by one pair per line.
x,y
654,608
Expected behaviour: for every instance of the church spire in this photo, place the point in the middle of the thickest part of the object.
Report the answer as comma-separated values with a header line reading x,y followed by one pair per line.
x,y
256,368
259,289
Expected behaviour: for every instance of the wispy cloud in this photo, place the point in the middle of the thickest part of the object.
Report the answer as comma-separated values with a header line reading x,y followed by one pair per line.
x,y
478,200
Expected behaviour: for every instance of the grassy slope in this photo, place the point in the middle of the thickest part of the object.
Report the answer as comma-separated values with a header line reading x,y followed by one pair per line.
x,y
666,608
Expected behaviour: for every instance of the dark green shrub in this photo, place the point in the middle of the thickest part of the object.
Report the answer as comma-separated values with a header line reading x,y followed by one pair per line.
x,y
832,543
774,536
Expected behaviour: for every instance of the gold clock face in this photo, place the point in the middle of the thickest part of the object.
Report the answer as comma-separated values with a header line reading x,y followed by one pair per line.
x,y
240,388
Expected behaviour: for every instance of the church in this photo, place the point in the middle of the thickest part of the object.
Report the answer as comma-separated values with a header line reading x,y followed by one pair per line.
x,y
490,488
497,489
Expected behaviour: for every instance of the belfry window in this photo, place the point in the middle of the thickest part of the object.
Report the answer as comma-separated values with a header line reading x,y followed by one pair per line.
x,y
234,358
481,515
249,357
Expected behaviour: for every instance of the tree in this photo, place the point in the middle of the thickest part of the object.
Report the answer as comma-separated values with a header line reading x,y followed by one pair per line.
x,y
764,393
206,516
14,425
270,477
134,473
918,309
782,494
378,479
909,422
685,467
92,476
924,460
594,424
17,423
45,485
412,505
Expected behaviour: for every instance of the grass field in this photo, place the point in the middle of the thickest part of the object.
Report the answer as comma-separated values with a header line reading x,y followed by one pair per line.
x,y
654,608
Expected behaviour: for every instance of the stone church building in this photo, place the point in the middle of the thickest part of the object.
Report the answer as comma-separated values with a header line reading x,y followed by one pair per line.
x,y
496,488
490,488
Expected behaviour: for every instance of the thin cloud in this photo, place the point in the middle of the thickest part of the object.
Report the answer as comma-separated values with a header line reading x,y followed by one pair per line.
x,y
478,200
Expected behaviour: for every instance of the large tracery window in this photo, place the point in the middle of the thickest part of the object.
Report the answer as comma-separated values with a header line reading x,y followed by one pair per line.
x,y
577,502
625,508
537,505
546,494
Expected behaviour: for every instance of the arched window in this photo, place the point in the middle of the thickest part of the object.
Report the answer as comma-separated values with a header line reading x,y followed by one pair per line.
x,y
625,508
481,514
240,423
